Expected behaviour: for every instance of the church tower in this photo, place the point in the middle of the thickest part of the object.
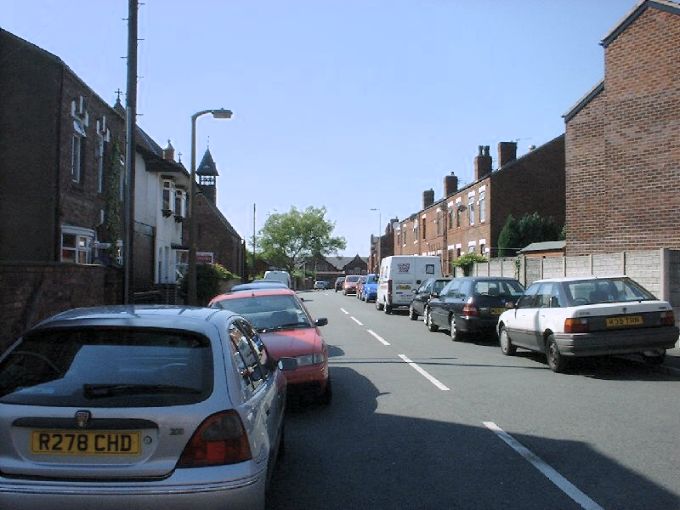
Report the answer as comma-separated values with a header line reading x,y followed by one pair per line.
x,y
207,177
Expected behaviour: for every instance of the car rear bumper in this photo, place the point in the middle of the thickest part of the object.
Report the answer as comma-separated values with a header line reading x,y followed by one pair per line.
x,y
170,494
476,325
617,342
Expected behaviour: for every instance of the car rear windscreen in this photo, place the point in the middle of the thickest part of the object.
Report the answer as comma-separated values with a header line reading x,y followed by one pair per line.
x,y
110,367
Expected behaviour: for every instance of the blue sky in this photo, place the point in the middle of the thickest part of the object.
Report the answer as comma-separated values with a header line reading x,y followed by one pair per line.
x,y
347,104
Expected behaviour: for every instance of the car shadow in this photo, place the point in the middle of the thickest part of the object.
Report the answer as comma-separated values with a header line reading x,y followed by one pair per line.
x,y
354,454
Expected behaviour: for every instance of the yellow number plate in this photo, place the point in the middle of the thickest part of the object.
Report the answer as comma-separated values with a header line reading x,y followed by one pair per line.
x,y
622,322
403,286
497,311
91,442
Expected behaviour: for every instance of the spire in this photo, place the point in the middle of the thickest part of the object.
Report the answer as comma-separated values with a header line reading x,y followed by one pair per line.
x,y
207,165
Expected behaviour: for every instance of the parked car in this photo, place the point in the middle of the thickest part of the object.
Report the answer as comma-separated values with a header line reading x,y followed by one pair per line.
x,y
288,331
349,286
471,305
421,298
400,276
360,285
258,284
573,317
139,407
338,283
369,290
319,285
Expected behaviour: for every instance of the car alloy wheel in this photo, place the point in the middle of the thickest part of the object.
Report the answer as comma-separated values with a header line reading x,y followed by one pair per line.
x,y
556,361
456,334
430,325
507,347
412,313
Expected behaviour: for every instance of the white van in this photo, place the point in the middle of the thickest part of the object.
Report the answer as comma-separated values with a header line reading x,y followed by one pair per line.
x,y
279,276
401,275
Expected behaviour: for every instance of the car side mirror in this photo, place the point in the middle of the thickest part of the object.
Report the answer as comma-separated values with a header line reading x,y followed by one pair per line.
x,y
434,293
509,305
321,321
418,282
287,364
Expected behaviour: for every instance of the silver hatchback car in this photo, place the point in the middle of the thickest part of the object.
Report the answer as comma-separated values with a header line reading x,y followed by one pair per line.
x,y
139,408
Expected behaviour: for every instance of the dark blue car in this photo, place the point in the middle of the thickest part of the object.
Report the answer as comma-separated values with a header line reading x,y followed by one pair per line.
x,y
369,290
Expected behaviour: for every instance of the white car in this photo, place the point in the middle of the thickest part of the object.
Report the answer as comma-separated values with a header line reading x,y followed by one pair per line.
x,y
588,316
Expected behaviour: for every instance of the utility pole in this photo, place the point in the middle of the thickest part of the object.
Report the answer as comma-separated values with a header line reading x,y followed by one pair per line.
x,y
129,182
254,240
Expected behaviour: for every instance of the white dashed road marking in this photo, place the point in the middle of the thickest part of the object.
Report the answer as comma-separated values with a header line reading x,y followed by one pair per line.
x,y
424,373
344,311
378,337
562,483
357,321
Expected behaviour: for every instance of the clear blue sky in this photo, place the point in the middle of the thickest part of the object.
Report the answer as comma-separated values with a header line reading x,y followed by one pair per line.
x,y
347,104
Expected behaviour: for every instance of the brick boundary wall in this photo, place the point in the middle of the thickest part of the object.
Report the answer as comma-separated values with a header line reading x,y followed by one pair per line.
x,y
33,292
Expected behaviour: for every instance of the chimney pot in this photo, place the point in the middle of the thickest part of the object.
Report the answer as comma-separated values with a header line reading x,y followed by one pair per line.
x,y
482,163
428,198
450,184
507,152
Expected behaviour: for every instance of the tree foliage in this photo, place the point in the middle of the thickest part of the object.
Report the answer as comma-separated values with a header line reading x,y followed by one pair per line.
x,y
286,239
530,228
467,260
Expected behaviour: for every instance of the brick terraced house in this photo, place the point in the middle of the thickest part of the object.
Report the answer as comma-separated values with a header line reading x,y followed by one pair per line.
x,y
623,140
471,218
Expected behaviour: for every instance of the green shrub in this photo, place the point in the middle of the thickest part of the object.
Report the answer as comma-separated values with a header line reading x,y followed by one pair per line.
x,y
208,277
466,261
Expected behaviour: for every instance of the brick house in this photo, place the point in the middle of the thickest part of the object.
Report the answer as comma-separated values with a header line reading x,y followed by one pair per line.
x,y
384,249
470,219
623,140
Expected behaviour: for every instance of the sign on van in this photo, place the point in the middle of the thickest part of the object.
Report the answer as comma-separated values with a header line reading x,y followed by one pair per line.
x,y
404,268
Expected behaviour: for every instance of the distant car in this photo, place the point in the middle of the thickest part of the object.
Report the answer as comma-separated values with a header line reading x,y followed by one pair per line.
x,y
349,286
421,297
288,331
338,283
360,285
369,290
258,284
319,285
279,276
471,305
139,407
571,317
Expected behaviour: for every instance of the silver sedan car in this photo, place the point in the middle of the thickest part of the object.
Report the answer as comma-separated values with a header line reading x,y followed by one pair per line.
x,y
139,408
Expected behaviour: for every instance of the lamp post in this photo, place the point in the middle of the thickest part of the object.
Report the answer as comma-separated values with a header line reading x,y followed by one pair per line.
x,y
379,243
191,271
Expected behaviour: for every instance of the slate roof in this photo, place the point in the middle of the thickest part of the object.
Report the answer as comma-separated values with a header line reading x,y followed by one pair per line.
x,y
544,246
207,165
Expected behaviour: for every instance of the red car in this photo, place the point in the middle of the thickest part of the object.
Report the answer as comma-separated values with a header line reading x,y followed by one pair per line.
x,y
349,286
288,331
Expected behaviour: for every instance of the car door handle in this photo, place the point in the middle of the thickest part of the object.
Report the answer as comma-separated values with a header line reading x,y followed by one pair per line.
x,y
267,411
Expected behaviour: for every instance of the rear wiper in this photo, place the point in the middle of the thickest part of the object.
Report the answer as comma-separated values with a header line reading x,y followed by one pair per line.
x,y
112,390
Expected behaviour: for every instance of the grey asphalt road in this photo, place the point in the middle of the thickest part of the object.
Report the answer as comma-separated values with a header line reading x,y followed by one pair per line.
x,y
426,423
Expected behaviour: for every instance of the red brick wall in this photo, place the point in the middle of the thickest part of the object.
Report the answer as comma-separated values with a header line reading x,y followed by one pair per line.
x,y
33,292
623,148
214,236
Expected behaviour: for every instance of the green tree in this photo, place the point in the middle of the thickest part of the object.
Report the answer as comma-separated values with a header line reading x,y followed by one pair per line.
x,y
467,260
286,239
530,228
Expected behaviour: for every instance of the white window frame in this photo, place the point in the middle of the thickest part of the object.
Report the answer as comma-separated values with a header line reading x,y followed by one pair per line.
x,y
482,206
82,248
76,157
168,187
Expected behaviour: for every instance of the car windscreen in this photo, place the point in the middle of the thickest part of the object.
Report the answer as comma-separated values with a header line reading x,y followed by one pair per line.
x,y
267,313
605,290
506,289
107,367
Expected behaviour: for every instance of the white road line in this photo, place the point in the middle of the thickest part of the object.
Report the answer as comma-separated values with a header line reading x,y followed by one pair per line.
x,y
424,374
378,337
562,483
355,320
344,311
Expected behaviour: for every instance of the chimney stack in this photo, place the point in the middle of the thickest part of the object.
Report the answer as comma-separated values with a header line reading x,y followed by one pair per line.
x,y
450,184
507,152
169,152
428,198
482,163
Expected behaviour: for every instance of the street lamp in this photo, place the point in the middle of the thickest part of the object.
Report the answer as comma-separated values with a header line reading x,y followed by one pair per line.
x,y
379,243
191,271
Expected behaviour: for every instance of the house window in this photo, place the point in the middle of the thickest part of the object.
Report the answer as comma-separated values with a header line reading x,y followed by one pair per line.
x,y
76,245
482,249
449,213
471,210
77,146
458,252
459,213
440,223
180,203
168,198
482,206
424,227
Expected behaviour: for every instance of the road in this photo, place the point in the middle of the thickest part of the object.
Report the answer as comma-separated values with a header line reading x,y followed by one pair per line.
x,y
420,422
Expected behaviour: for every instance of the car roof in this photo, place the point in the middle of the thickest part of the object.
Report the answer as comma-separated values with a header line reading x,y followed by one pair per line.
x,y
579,278
255,292
156,316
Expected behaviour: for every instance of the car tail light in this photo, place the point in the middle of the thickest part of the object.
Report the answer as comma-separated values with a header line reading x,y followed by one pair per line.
x,y
667,318
220,439
470,310
573,325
